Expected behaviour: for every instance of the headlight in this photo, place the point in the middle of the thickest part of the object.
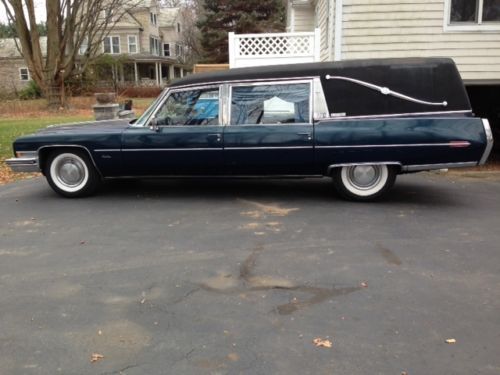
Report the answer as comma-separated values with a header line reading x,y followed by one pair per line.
x,y
26,154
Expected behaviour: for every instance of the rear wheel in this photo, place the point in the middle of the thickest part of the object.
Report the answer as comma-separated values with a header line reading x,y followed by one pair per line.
x,y
363,182
70,173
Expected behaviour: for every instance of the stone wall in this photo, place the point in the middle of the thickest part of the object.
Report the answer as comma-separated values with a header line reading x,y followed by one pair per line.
x,y
10,80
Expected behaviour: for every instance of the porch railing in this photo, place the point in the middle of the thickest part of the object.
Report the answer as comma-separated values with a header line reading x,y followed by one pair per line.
x,y
273,48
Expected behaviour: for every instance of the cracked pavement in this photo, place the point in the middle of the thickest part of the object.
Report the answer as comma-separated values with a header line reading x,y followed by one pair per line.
x,y
239,277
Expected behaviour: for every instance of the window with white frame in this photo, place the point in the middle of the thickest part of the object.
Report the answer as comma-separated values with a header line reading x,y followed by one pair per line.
x,y
474,12
132,44
166,49
84,47
178,50
153,18
154,46
111,44
24,74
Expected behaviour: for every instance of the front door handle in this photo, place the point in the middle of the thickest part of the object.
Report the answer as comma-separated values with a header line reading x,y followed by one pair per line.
x,y
217,137
306,135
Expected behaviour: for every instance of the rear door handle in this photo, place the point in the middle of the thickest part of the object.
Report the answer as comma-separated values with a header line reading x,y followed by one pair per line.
x,y
306,135
217,137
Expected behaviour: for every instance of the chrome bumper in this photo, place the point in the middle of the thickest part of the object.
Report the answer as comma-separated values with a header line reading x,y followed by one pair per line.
x,y
23,164
489,141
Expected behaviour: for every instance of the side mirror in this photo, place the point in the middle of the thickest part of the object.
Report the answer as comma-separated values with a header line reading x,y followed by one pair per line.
x,y
153,124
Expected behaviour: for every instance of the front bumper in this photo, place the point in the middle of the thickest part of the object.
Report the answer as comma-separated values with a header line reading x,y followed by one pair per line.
x,y
23,164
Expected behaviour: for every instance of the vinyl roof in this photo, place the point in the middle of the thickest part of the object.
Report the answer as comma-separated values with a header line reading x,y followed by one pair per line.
x,y
433,80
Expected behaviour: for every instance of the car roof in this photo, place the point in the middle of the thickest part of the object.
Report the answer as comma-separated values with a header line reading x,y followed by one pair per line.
x,y
305,70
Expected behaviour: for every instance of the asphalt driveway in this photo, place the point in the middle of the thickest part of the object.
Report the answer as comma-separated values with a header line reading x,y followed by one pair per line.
x,y
239,277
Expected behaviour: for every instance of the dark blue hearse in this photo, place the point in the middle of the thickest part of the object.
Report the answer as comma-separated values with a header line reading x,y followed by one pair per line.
x,y
359,122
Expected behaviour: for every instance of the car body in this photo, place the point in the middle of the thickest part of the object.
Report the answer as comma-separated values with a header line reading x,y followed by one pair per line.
x,y
359,122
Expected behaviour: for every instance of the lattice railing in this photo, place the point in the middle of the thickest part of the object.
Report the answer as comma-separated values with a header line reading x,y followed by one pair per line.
x,y
275,48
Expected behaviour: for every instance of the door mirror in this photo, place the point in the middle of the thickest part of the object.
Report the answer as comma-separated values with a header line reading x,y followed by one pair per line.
x,y
153,124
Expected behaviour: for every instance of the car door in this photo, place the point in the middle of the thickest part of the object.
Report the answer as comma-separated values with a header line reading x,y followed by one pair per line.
x,y
270,130
186,138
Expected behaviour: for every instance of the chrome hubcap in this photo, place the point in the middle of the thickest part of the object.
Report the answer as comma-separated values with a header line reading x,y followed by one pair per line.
x,y
70,172
364,176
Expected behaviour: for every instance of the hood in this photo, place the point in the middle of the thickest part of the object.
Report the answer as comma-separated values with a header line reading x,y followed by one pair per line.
x,y
89,127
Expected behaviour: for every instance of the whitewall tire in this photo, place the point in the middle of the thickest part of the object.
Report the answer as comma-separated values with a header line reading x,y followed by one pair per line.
x,y
70,173
364,181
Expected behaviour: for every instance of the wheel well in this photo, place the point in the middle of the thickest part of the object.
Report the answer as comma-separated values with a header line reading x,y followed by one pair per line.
x,y
44,152
395,165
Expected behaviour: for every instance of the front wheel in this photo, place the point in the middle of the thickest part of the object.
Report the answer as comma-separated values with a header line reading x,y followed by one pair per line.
x,y
363,182
70,173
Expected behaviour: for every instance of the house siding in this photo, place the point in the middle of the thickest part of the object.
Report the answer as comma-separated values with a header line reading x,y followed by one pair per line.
x,y
10,80
415,28
304,19
323,23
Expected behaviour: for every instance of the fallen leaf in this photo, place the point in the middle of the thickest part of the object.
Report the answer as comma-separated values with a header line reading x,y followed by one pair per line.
x,y
451,341
364,284
96,357
319,342
143,300
82,242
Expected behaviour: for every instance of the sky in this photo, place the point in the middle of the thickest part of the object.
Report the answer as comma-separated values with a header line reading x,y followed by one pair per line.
x,y
39,12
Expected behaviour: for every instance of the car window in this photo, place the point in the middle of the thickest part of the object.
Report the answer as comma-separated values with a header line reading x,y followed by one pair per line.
x,y
193,107
270,104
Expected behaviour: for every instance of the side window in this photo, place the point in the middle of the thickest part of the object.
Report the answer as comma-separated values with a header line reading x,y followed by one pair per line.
x,y
193,107
270,104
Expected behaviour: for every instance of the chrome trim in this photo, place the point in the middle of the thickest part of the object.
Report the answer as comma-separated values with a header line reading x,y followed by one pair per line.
x,y
331,166
386,91
392,145
174,149
489,141
430,167
26,154
72,146
374,117
107,150
273,176
259,125
268,148
262,82
319,101
23,164
229,82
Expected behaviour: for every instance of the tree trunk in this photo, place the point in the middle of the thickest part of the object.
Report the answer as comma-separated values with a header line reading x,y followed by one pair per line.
x,y
54,93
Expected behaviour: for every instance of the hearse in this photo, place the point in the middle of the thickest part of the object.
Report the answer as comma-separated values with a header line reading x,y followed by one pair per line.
x,y
360,123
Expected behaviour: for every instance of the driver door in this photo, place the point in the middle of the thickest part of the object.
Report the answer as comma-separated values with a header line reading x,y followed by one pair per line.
x,y
187,139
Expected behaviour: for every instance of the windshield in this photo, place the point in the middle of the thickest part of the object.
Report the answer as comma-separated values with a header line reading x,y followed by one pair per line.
x,y
142,121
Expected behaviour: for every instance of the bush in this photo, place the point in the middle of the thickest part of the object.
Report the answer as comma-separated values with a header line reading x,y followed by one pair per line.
x,y
31,91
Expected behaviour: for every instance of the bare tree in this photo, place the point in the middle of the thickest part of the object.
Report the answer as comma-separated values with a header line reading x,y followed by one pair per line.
x,y
191,34
73,26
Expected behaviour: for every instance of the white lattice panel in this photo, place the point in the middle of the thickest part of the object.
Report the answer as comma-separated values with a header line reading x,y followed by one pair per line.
x,y
273,48
275,45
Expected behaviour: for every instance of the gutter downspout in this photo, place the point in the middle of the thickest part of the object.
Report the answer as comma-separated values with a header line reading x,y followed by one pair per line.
x,y
338,31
